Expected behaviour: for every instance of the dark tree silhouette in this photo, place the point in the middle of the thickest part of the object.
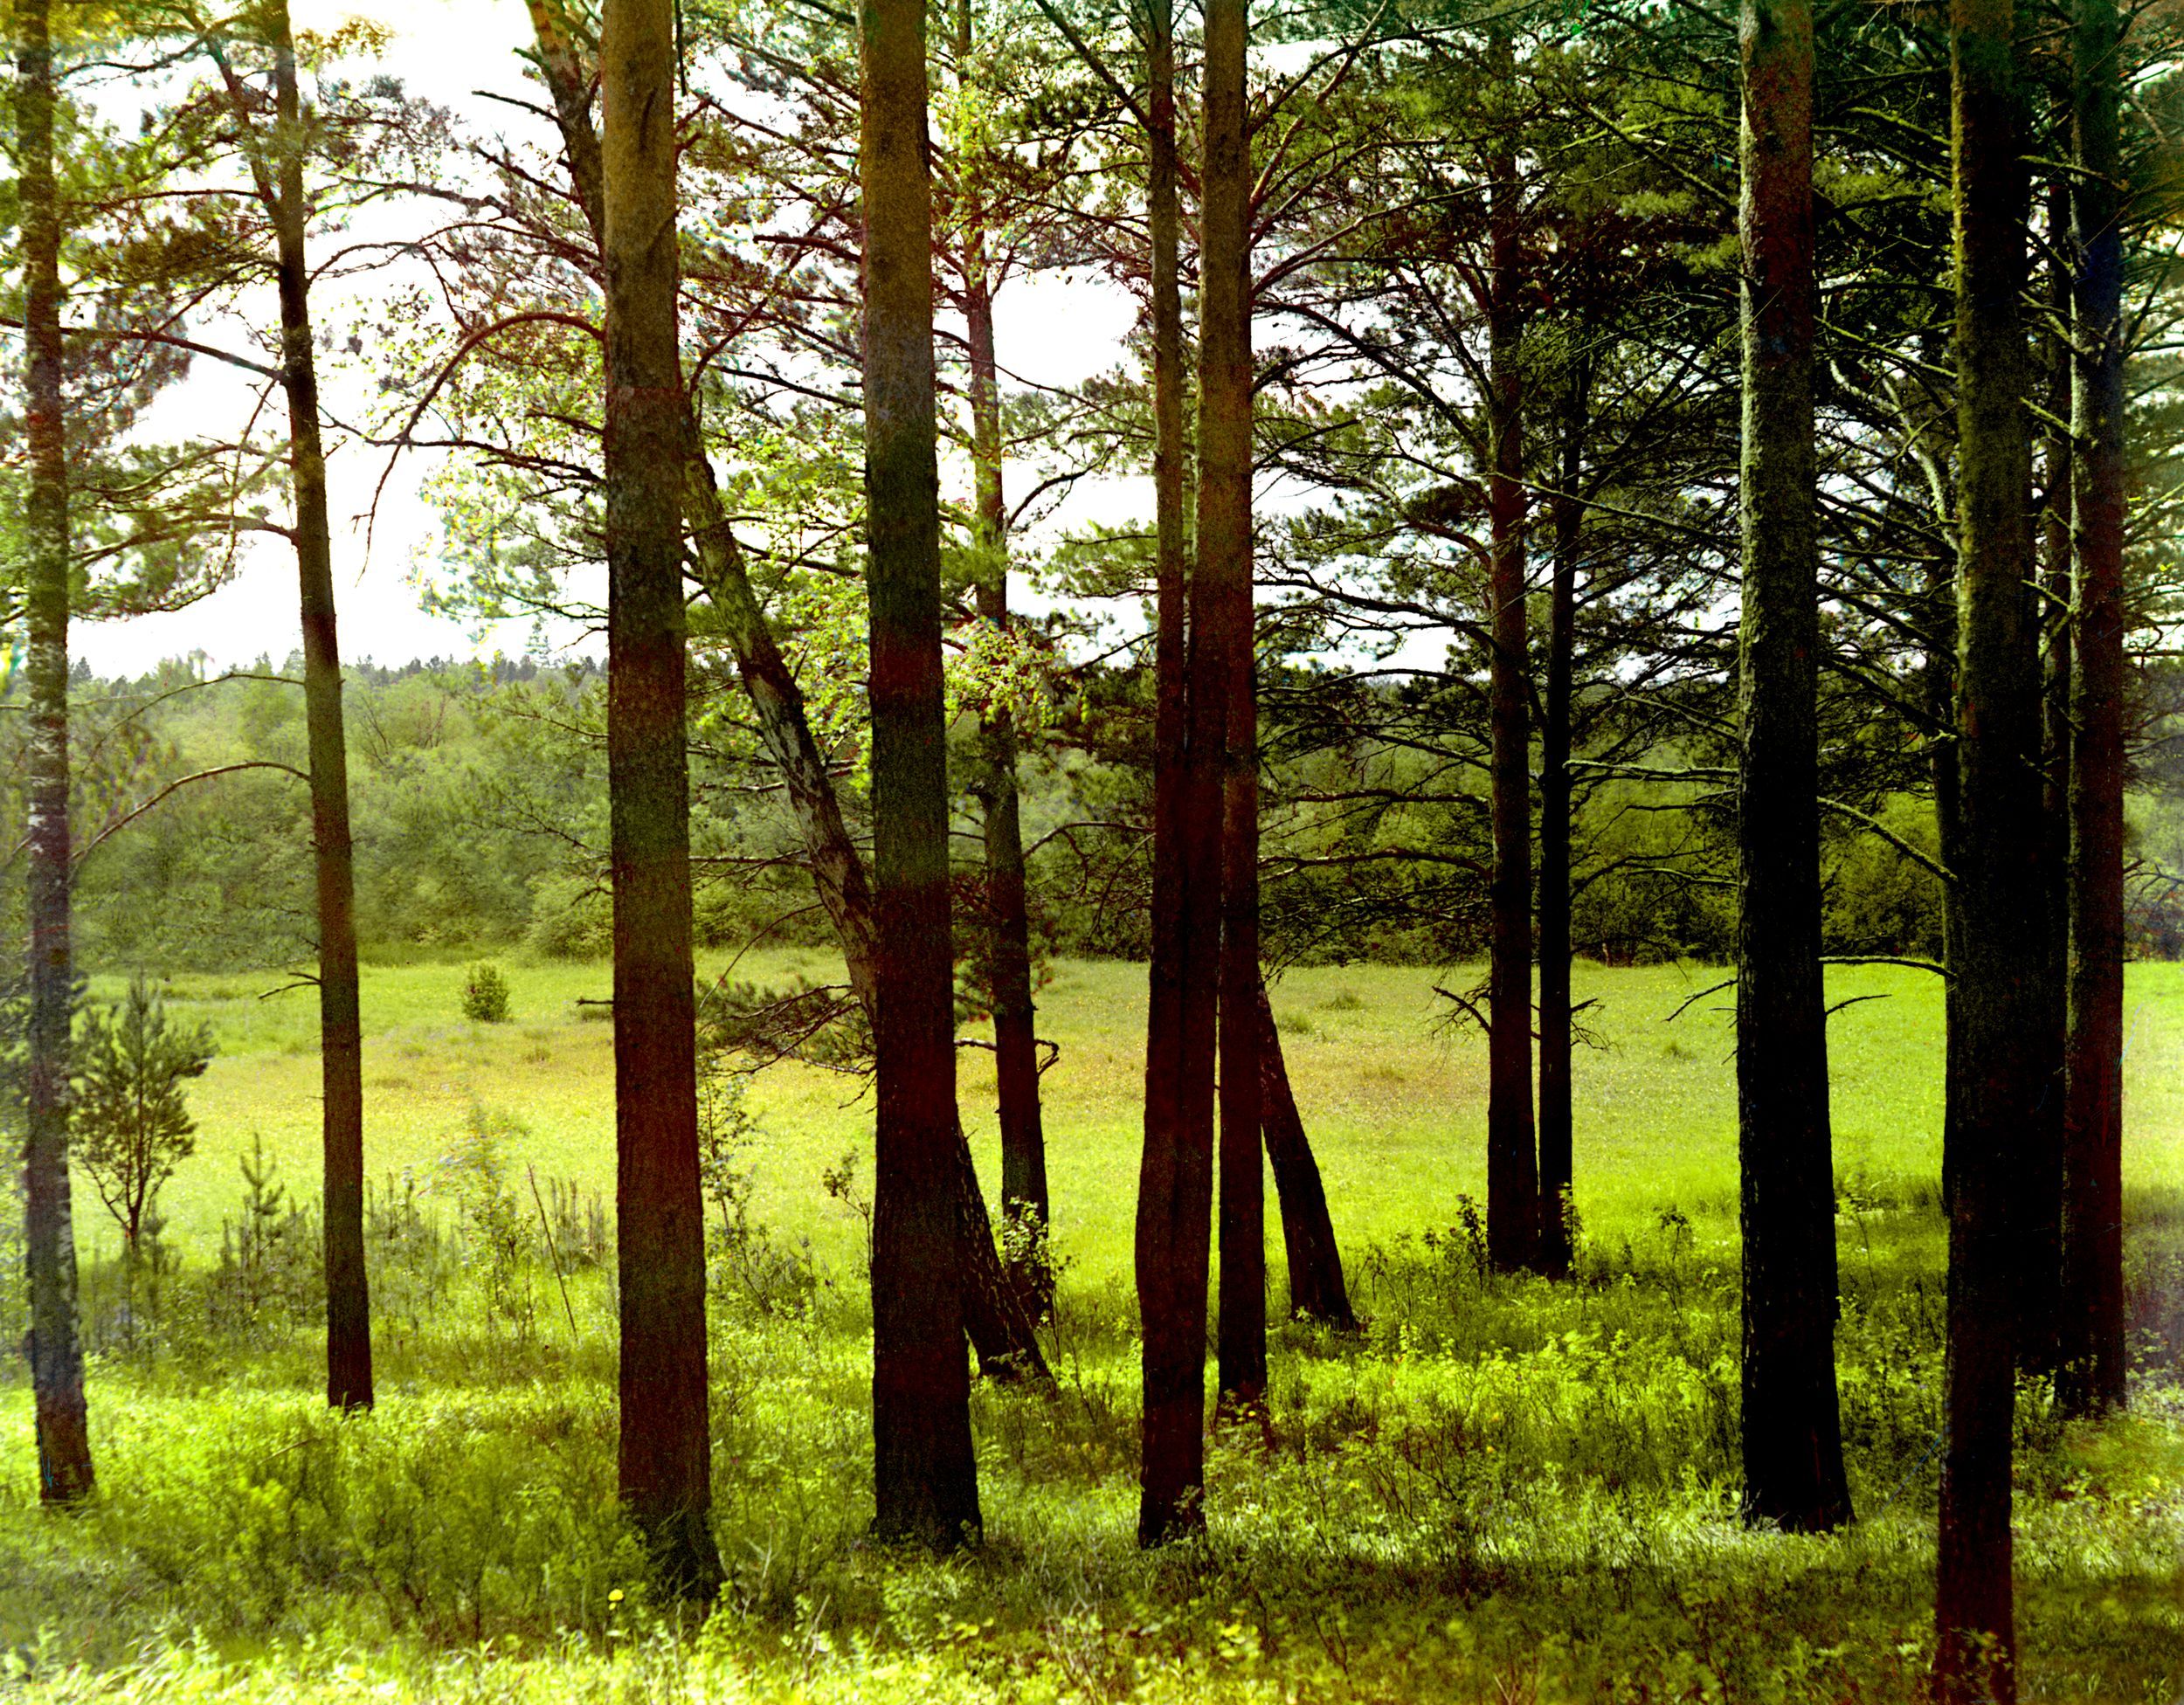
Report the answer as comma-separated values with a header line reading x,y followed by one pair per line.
x,y
1793,1441
925,1478
666,1443
1512,1163
2092,1366
1994,1069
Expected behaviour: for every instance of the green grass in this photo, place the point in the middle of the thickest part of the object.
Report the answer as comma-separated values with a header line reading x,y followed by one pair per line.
x,y
1503,1490
1395,1105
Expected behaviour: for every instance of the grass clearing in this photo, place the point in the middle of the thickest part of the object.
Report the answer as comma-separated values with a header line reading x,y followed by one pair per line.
x,y
1503,1490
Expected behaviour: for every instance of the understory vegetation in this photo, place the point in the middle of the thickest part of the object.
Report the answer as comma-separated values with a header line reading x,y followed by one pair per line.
x,y
1500,1489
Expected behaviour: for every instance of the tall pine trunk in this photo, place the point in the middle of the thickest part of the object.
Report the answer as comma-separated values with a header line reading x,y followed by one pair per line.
x,y
1002,1331
2091,1313
1318,1289
2039,1205
1176,1177
1024,1204
56,1350
925,1478
340,1034
1555,793
666,1458
1222,668
1512,1165
1793,1441
1994,1007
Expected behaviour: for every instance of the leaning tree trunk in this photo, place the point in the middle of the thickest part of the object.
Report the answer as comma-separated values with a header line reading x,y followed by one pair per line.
x,y
56,1350
1241,1342
1993,997
1556,791
1175,1176
1000,1329
1513,1165
666,1461
2092,1360
1024,1204
341,1033
1317,1290
1792,1439
925,1478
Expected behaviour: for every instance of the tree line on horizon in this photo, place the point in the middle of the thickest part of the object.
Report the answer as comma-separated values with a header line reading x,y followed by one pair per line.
x,y
1775,431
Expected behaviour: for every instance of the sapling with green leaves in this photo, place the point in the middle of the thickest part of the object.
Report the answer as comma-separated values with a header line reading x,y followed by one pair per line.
x,y
132,1122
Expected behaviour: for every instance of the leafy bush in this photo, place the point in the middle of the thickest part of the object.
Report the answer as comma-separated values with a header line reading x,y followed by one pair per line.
x,y
485,996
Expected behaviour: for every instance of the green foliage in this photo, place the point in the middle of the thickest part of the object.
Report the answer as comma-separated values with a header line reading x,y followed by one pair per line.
x,y
131,1120
485,996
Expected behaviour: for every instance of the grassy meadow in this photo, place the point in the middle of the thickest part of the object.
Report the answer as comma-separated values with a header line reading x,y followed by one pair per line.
x,y
1499,1490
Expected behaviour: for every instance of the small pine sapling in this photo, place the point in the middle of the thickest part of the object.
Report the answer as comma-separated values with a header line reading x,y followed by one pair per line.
x,y
485,996
131,1120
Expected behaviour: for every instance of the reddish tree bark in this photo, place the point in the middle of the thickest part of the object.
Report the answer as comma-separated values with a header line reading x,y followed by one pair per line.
x,y
665,1452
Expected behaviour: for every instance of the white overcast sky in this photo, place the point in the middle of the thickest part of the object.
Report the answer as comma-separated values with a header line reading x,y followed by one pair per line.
x,y
1054,332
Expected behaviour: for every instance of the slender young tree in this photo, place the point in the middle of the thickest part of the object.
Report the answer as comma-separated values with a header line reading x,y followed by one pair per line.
x,y
2092,1371
1793,1441
1024,1204
1512,1163
1995,1068
1229,667
666,1458
1175,1183
277,170
925,1477
1557,790
56,1350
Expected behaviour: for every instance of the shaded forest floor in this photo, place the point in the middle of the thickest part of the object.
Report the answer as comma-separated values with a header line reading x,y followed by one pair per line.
x,y
1501,1490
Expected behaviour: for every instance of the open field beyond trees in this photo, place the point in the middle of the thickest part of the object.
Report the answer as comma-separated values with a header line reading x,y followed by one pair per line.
x,y
1502,1489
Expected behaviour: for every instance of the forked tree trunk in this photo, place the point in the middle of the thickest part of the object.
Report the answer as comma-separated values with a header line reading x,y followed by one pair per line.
x,y
1512,1163
1993,997
1793,1441
340,1034
925,1477
1317,1290
1175,1183
1001,1331
56,1350
1555,792
665,1456
1024,1204
2092,1370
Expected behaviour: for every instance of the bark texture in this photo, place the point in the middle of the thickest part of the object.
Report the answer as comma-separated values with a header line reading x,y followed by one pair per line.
x,y
333,864
1792,1439
1024,1203
1175,1183
1001,1331
1993,999
2092,1371
666,1454
925,1477
56,1350
1318,1289
1512,1163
